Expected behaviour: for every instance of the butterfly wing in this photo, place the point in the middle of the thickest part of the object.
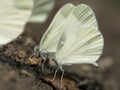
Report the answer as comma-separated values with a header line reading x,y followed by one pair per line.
x,y
41,10
51,37
81,41
12,20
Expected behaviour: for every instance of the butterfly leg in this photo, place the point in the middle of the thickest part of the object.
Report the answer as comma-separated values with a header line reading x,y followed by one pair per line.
x,y
55,74
43,64
60,84
62,74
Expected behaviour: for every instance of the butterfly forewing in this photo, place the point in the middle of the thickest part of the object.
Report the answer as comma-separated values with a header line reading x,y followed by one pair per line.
x,y
51,37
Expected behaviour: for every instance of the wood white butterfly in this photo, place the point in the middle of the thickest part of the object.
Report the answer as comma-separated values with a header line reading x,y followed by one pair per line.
x,y
73,37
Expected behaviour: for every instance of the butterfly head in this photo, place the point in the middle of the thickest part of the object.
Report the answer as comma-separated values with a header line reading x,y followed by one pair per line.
x,y
43,54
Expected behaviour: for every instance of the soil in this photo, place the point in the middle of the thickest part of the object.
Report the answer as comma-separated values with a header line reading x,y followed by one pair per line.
x,y
18,73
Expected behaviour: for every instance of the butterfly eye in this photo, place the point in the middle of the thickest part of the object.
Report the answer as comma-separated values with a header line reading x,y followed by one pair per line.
x,y
44,54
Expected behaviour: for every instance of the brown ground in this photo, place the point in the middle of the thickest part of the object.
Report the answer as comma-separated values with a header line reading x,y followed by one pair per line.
x,y
15,75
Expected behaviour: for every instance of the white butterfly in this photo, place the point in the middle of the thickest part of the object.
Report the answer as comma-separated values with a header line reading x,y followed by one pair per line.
x,y
12,19
73,36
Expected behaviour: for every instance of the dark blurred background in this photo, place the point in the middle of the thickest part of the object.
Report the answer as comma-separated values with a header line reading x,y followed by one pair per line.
x,y
108,16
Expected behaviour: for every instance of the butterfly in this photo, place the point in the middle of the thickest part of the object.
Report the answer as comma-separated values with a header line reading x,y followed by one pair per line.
x,y
72,37
14,14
